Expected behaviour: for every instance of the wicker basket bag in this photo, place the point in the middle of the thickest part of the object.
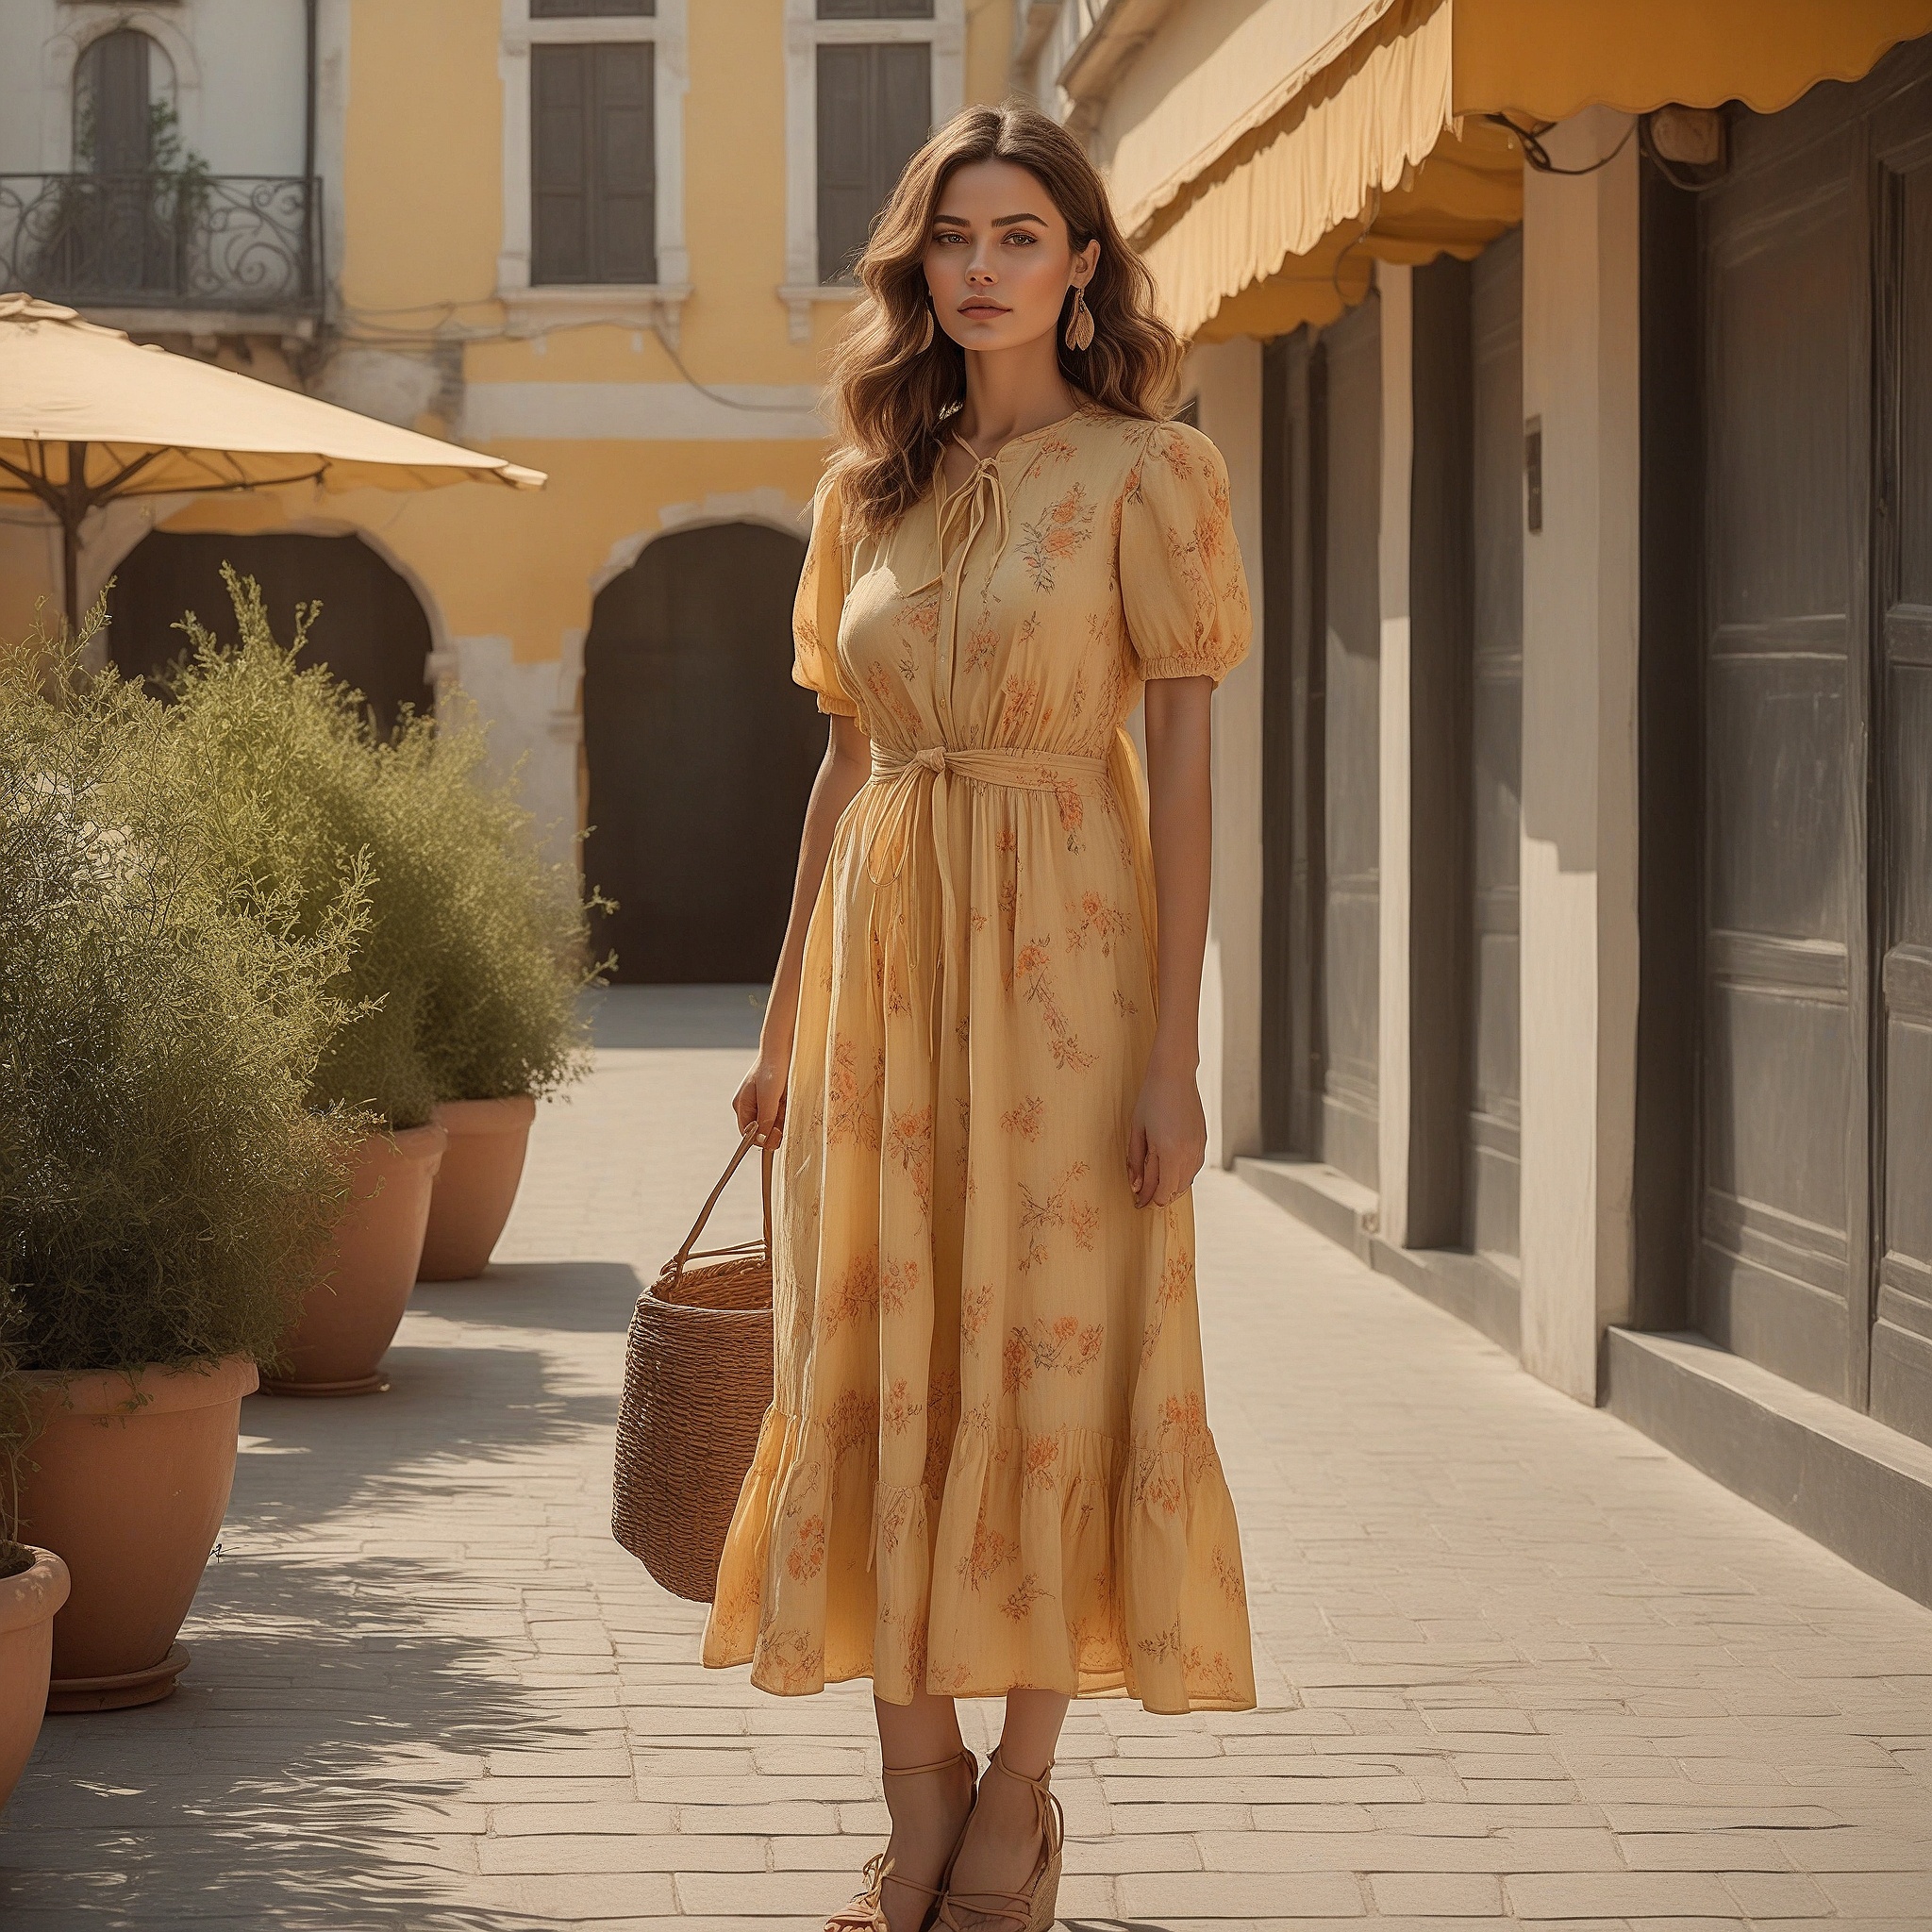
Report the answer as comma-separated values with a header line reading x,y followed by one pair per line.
x,y
697,1380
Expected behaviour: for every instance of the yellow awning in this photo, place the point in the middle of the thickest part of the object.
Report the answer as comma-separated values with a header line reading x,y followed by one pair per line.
x,y
1353,135
1543,59
1384,153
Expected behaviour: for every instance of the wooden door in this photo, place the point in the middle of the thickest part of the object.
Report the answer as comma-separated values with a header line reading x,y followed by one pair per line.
x,y
1351,676
700,754
1495,777
1784,1219
1901,1387
371,630
1293,658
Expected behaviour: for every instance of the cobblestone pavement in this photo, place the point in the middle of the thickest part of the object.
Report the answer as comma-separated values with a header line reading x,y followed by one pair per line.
x,y
1520,1667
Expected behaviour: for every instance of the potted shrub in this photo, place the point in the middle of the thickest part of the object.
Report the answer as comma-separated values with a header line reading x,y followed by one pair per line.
x,y
301,781
33,1585
502,1025
163,1178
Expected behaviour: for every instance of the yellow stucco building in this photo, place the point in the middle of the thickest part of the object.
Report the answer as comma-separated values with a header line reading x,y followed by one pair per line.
x,y
605,238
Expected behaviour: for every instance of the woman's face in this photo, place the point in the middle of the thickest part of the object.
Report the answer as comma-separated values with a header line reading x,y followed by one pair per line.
x,y
999,260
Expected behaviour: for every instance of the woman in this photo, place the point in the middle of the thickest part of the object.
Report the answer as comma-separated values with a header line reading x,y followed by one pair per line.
x,y
987,1471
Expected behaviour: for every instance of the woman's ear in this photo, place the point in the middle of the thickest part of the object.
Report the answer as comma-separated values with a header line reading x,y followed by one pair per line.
x,y
1085,261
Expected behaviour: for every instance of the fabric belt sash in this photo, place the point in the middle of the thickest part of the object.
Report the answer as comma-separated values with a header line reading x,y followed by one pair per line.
x,y
925,777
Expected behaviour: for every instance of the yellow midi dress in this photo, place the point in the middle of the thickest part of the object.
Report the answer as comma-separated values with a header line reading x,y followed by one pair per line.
x,y
987,1464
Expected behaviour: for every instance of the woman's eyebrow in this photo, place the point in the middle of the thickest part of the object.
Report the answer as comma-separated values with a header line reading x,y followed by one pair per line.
x,y
1008,220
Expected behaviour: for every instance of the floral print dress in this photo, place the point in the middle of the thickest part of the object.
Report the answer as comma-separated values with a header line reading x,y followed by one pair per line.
x,y
987,1464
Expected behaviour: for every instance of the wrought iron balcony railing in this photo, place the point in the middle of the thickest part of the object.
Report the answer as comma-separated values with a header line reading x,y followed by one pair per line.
x,y
175,240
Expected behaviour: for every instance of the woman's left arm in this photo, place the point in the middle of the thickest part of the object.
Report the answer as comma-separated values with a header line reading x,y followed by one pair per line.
x,y
1168,1138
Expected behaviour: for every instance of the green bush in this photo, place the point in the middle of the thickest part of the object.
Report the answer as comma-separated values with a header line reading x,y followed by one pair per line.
x,y
502,1015
165,1185
466,976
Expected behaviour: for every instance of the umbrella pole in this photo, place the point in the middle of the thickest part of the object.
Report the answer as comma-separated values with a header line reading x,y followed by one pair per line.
x,y
73,510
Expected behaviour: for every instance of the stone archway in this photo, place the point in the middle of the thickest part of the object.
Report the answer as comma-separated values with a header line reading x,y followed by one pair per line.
x,y
701,753
372,631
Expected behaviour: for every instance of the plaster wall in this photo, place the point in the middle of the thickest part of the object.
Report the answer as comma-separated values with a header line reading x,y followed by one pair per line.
x,y
1580,753
1226,377
413,141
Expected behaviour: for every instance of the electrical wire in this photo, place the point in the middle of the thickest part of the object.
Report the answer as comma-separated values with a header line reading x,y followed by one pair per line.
x,y
717,395
367,332
1538,155
1355,241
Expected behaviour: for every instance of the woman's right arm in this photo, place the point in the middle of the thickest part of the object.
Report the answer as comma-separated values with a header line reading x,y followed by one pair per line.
x,y
846,766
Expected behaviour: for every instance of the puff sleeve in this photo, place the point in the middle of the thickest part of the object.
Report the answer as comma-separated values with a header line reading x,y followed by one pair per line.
x,y
1183,591
821,600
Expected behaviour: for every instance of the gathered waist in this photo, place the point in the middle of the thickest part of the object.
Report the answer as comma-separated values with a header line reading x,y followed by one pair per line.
x,y
915,785
1033,770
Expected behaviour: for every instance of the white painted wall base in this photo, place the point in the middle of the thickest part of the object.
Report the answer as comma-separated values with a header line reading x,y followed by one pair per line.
x,y
535,723
1580,753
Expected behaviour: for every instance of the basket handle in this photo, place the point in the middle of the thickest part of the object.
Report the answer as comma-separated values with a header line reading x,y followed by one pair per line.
x,y
697,1227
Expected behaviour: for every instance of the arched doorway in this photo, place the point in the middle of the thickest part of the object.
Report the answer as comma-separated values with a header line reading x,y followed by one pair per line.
x,y
701,753
372,631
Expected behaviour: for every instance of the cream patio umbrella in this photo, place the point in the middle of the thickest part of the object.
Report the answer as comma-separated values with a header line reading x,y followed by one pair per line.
x,y
86,416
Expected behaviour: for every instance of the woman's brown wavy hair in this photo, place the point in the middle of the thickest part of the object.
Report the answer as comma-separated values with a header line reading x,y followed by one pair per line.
x,y
894,398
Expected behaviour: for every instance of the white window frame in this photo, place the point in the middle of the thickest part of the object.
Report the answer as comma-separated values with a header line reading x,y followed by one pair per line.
x,y
805,34
629,304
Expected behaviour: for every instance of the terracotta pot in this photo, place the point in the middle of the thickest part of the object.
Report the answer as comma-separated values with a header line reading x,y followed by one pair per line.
x,y
476,1185
351,1315
132,1479
27,1602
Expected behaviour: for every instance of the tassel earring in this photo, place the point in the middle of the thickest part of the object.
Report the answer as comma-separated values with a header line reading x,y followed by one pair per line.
x,y
926,331
1080,323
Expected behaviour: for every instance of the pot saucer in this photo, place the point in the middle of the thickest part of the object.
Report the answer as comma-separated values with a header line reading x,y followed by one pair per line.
x,y
119,1694
375,1382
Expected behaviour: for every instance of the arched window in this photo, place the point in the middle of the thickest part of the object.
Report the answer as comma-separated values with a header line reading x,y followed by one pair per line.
x,y
122,106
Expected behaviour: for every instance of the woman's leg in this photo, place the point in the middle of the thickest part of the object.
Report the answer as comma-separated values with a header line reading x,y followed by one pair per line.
x,y
1002,1845
928,1811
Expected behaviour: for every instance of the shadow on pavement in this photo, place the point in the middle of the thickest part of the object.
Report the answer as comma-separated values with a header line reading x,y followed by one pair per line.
x,y
309,1771
670,1016
575,1297
275,1788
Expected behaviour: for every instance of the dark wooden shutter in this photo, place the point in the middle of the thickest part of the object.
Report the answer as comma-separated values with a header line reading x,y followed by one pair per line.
x,y
1293,893
874,110
559,164
624,211
1496,746
1352,687
117,131
1902,1334
591,10
592,164
874,9
1785,1218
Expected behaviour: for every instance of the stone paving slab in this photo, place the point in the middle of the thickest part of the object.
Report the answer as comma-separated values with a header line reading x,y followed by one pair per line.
x,y
1518,1666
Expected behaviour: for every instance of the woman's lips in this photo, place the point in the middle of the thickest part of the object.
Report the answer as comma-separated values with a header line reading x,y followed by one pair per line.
x,y
983,309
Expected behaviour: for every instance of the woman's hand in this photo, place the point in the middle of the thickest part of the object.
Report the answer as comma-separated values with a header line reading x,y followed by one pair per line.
x,y
759,1101
1168,1141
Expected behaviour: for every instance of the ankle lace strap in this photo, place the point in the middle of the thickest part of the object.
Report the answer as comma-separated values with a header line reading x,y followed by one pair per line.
x,y
1014,1906
960,1756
